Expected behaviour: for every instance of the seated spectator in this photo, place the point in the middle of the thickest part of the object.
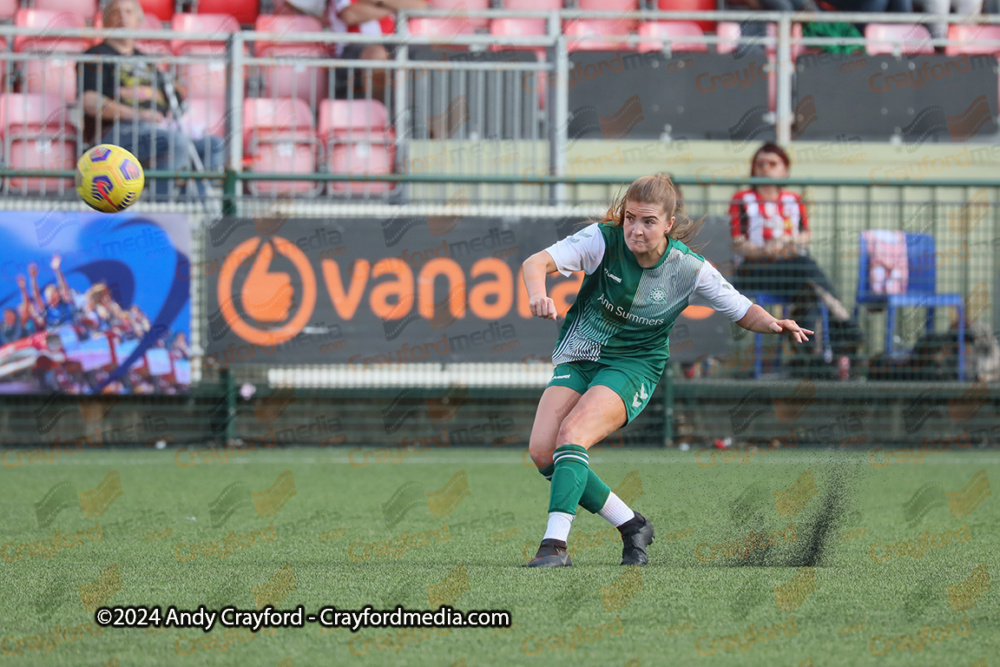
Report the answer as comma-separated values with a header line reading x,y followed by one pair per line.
x,y
961,9
366,17
770,229
125,103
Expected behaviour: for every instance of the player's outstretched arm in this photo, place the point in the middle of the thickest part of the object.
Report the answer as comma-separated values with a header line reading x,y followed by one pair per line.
x,y
759,320
536,268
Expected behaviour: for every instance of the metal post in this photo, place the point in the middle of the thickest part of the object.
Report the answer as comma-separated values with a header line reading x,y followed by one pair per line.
x,y
559,103
668,406
785,69
402,107
234,120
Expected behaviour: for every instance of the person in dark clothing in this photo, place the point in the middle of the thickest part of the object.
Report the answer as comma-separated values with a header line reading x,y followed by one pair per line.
x,y
125,103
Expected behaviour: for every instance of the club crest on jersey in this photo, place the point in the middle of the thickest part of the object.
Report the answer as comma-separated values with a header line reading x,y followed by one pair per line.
x,y
658,295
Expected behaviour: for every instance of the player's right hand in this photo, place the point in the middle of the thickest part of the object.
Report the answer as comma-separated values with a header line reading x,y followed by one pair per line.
x,y
543,306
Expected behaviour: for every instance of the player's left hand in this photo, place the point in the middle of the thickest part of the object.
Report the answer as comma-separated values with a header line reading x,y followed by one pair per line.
x,y
793,330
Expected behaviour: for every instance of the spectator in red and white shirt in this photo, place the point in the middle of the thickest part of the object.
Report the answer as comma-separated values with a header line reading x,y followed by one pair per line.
x,y
366,17
770,228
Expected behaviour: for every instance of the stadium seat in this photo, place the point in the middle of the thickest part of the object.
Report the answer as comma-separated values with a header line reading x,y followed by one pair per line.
x,y
518,28
357,139
970,39
244,11
533,5
82,8
7,9
309,84
220,24
203,79
597,35
279,137
671,33
461,6
36,133
444,29
284,25
690,6
612,6
153,47
50,74
888,38
921,289
161,9
38,18
205,115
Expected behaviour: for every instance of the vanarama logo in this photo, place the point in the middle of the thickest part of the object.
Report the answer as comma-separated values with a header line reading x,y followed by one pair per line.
x,y
269,308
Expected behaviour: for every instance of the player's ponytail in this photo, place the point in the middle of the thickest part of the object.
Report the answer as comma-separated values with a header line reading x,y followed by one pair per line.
x,y
656,189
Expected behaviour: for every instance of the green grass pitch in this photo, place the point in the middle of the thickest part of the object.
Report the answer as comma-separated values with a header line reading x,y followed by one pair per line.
x,y
784,558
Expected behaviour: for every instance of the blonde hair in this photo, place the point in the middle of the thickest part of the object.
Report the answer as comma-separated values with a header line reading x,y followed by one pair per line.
x,y
657,189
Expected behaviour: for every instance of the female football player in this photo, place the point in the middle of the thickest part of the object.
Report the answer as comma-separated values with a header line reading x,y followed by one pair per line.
x,y
613,347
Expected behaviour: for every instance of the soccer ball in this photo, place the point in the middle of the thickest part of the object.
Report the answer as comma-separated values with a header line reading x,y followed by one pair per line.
x,y
109,178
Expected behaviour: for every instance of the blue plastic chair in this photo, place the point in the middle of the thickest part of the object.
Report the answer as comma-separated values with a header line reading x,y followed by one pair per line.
x,y
921,292
764,300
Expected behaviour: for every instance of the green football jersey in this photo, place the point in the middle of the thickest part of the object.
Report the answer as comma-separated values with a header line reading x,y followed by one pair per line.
x,y
623,312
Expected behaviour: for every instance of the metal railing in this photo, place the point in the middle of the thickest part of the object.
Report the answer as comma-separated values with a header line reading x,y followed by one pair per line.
x,y
545,148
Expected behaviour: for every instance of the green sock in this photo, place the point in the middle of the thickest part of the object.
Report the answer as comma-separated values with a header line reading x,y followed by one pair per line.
x,y
569,478
595,493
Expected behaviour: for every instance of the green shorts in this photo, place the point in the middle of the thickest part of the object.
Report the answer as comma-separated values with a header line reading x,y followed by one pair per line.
x,y
633,387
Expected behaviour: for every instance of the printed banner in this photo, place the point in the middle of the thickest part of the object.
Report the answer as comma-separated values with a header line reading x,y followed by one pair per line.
x,y
403,290
94,304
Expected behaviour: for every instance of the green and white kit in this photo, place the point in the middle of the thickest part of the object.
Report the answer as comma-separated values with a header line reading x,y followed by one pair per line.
x,y
617,332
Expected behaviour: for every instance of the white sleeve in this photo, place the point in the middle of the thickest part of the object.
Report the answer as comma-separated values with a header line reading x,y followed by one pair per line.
x,y
581,251
715,291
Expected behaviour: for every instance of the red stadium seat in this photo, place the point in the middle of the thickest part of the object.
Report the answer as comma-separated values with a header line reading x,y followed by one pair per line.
x,y
970,40
612,6
888,38
153,47
690,6
461,6
518,28
357,139
161,9
279,137
50,75
205,115
306,83
203,79
597,35
82,8
288,25
38,18
673,33
7,9
219,24
533,5
444,29
36,133
244,11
